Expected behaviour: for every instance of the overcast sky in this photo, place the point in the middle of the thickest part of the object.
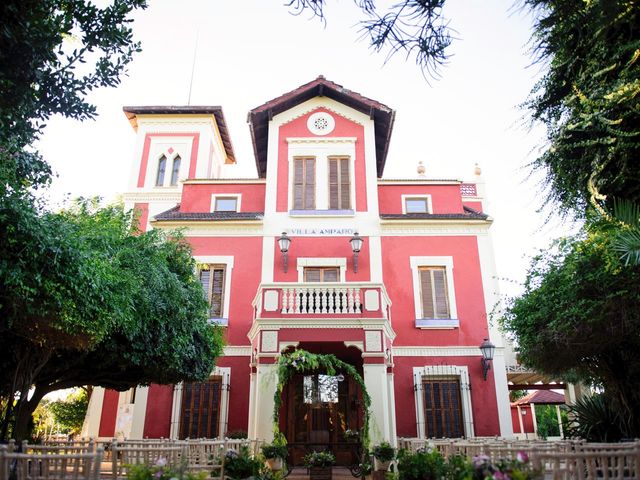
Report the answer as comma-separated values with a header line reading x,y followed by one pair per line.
x,y
252,51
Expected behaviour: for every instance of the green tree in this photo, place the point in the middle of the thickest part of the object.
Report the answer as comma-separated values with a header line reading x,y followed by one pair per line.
x,y
69,413
89,300
579,316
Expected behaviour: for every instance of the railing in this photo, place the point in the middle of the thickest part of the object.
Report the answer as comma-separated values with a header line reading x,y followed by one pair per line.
x,y
328,299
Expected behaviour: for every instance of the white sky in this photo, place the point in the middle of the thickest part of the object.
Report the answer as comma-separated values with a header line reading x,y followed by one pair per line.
x,y
250,51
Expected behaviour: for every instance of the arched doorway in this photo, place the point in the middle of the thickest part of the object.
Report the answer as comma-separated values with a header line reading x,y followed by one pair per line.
x,y
324,413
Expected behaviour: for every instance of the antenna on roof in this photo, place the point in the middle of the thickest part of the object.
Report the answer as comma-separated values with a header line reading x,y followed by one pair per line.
x,y
193,66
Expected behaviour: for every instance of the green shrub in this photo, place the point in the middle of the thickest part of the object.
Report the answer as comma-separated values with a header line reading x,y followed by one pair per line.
x,y
423,465
271,450
319,459
384,452
593,419
241,465
162,471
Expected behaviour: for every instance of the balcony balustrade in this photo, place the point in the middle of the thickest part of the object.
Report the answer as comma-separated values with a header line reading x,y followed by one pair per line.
x,y
361,299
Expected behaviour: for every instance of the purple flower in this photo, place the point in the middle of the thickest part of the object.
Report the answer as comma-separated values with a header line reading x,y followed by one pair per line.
x,y
161,462
158,474
522,457
480,461
501,476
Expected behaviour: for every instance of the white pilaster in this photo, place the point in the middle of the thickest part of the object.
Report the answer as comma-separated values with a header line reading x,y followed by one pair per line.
x,y
266,384
502,394
91,425
375,380
139,413
251,427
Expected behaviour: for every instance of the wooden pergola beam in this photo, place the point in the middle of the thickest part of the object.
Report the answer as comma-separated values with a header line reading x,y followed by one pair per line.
x,y
534,386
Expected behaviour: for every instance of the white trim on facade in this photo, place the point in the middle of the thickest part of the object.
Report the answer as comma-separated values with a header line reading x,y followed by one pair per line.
x,y
215,196
303,262
459,371
419,351
447,262
227,261
404,197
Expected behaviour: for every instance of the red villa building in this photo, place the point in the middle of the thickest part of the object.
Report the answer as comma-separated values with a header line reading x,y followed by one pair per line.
x,y
409,310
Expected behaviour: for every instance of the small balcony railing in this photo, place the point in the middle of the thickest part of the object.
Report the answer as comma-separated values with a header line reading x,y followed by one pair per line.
x,y
321,299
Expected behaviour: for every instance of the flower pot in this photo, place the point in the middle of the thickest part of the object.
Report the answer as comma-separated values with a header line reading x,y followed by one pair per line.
x,y
274,464
320,473
382,466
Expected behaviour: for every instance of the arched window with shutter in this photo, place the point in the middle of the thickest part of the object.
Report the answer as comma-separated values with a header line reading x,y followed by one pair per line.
x,y
162,166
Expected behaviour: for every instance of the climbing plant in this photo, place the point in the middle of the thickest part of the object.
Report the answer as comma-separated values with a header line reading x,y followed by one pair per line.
x,y
301,361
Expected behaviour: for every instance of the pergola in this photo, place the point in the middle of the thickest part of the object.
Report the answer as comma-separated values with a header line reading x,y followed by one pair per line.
x,y
540,397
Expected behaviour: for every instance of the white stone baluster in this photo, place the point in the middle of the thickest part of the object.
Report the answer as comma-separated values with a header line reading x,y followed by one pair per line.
x,y
285,301
322,301
349,301
357,305
297,298
329,300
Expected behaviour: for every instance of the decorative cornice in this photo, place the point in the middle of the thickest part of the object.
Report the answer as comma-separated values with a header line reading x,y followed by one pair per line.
x,y
320,323
294,140
435,227
436,351
197,229
224,181
243,351
173,196
420,181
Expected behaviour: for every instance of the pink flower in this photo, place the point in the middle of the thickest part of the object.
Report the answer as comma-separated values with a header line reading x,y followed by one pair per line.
x,y
480,460
161,462
522,457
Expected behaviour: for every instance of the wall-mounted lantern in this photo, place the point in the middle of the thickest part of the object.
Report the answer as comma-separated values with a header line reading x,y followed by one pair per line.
x,y
284,243
487,348
356,245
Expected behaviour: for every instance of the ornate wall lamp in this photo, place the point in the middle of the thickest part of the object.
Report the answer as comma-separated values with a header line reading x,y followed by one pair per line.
x,y
487,348
284,243
356,245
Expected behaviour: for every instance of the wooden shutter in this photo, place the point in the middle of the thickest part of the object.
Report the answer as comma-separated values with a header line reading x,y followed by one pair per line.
x,y
321,274
200,416
217,291
304,184
339,184
435,297
212,278
442,407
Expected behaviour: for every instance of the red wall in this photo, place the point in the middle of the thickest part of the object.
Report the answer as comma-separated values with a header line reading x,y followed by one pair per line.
x,y
245,278
331,247
298,128
444,198
527,419
238,417
109,413
157,421
467,279
197,197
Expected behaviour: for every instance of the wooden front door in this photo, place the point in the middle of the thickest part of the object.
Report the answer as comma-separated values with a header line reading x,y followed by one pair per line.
x,y
321,426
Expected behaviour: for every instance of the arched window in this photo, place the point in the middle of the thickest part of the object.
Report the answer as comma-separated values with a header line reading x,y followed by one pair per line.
x,y
175,171
162,165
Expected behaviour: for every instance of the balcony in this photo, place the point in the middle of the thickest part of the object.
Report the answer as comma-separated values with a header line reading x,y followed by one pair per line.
x,y
321,300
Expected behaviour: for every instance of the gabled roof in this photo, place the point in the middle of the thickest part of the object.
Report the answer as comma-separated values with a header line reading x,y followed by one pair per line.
x,y
174,214
542,397
216,111
259,117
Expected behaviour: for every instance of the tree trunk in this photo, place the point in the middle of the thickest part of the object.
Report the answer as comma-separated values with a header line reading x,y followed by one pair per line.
x,y
24,411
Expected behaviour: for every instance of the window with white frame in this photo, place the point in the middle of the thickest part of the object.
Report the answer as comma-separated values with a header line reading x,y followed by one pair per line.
x,y
416,204
162,166
433,291
321,176
225,203
318,269
443,400
214,273
175,170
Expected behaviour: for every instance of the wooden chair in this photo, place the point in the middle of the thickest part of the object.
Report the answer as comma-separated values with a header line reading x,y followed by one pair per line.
x,y
124,456
44,466
618,464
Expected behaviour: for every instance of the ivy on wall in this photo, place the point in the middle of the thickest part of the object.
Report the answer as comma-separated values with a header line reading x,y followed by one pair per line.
x,y
301,361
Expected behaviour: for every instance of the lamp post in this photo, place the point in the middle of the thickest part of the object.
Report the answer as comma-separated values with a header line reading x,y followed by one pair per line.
x,y
487,348
356,244
284,243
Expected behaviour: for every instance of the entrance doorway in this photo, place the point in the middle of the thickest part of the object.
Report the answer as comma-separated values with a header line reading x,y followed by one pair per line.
x,y
322,426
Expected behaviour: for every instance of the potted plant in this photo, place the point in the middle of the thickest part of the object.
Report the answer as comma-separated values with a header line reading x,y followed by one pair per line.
x,y
383,454
351,435
241,465
274,454
319,465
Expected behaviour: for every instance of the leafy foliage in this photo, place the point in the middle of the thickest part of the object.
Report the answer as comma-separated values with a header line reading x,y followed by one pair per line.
x,y
594,419
588,100
70,412
162,471
384,452
413,27
547,420
578,318
241,465
107,305
319,459
301,361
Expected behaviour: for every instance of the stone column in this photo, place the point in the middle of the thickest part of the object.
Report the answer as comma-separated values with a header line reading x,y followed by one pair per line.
x,y
381,426
266,382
